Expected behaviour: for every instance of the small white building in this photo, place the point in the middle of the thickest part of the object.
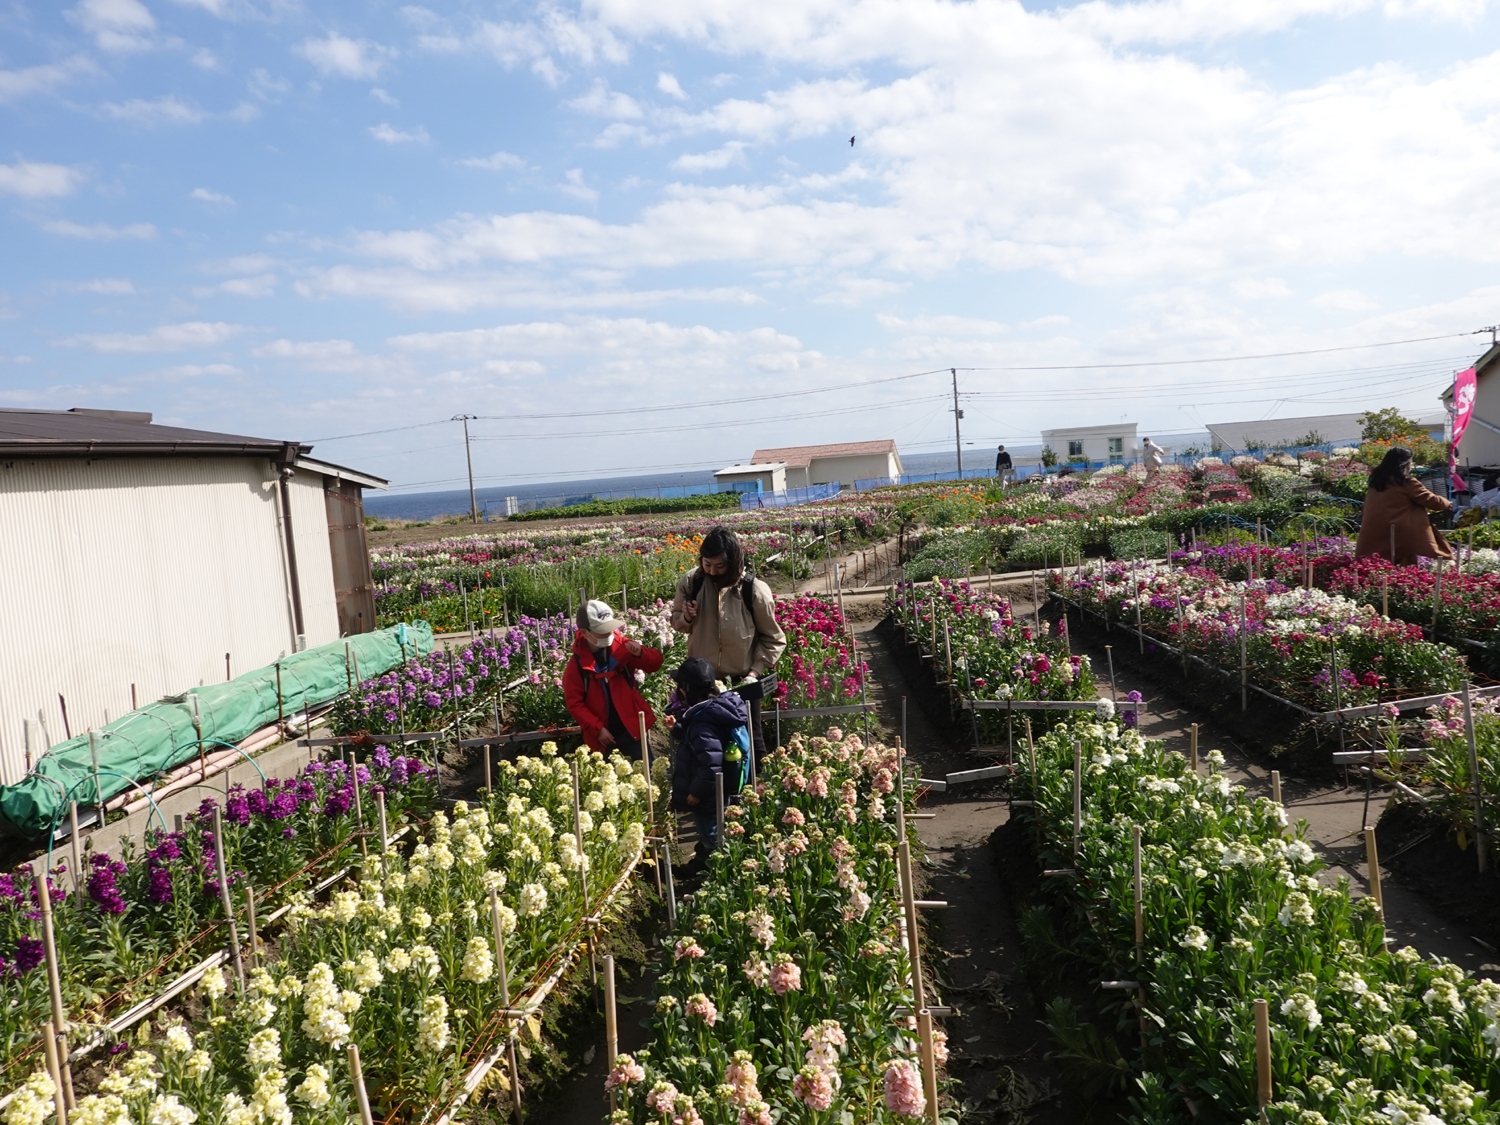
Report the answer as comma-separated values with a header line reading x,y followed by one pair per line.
x,y
1107,444
771,477
137,557
842,463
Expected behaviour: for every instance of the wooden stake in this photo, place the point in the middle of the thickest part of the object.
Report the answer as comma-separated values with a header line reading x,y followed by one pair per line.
x,y
359,809
510,1047
913,940
1140,917
1385,597
54,1071
250,920
611,1020
1030,750
234,933
1481,845
1276,786
1372,860
1437,597
1262,1055
73,845
1077,797
385,838
357,1077
54,977
583,878
929,1064
1109,655
1193,747
1244,665
640,717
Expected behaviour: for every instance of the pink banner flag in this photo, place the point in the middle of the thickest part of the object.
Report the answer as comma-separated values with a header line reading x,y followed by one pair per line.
x,y
1464,389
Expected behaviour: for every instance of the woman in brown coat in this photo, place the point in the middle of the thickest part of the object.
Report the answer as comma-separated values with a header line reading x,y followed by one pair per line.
x,y
1396,502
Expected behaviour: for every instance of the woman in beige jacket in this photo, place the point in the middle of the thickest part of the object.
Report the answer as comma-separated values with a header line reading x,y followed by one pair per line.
x,y
1395,524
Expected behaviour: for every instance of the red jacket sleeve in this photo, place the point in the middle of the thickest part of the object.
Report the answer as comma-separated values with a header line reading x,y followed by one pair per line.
x,y
648,661
576,701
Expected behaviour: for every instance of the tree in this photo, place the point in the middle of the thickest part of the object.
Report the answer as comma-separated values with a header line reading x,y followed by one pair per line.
x,y
1048,457
1389,425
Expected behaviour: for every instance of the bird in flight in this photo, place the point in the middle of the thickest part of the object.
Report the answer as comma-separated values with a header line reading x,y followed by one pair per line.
x,y
851,142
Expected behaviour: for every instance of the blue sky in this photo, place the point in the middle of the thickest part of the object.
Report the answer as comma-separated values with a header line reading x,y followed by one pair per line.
x,y
310,220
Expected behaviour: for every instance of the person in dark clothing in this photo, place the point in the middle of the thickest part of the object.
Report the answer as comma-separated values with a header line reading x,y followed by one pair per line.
x,y
599,685
1003,467
711,735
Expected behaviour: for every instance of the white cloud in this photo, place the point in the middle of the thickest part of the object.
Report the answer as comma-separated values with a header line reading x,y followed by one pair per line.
x,y
22,83
338,357
31,179
184,371
104,286
221,8
669,85
99,232
1345,300
573,185
168,110
723,157
116,25
204,59
604,102
268,87
341,57
261,285
241,264
945,325
213,198
852,291
382,97
166,338
389,135
1261,289
496,162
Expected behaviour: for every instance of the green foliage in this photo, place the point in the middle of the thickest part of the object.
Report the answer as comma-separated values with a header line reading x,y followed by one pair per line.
x,y
1141,542
1389,425
1049,457
643,505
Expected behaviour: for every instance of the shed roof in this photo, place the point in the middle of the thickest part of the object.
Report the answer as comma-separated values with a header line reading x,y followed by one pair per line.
x,y
768,467
800,456
122,433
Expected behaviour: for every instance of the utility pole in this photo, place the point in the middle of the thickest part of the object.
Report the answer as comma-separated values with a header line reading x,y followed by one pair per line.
x,y
958,414
469,457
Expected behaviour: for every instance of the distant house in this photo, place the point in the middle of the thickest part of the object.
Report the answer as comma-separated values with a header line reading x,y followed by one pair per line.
x,y
1107,444
844,463
771,477
1480,447
137,555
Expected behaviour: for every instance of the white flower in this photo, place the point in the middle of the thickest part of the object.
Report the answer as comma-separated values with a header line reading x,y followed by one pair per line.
x,y
367,974
264,1048
94,1110
314,1089
33,1102
344,906
1195,938
166,1110
1299,1005
533,900
1298,910
198,1064
479,962
213,985
1106,708
177,1041
432,1027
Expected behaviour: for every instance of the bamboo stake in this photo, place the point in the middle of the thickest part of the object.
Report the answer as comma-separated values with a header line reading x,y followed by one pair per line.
x,y
640,717
357,1077
1276,786
1481,845
1437,597
719,809
1385,598
929,1064
385,838
1140,917
1109,654
913,941
254,936
1372,860
1262,1055
1077,797
54,1071
1030,750
359,809
583,878
73,845
234,933
54,979
611,1020
1244,665
1193,747
510,1047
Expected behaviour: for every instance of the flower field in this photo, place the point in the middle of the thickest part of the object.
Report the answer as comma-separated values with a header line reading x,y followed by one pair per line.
x,y
780,1002
1232,911
135,923
405,966
1318,650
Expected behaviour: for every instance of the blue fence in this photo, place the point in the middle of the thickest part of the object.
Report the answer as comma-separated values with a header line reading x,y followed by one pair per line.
x,y
790,498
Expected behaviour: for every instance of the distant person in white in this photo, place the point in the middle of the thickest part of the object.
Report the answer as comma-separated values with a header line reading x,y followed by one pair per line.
x,y
1154,455
1490,497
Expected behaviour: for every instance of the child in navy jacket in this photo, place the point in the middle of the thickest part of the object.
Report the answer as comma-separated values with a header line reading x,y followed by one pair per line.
x,y
704,731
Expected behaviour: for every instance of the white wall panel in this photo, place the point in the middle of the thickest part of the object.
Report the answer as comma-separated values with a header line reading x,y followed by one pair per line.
x,y
144,571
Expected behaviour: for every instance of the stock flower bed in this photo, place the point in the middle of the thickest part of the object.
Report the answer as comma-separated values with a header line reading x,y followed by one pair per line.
x,y
1445,773
137,920
995,655
819,667
1233,911
780,1003
1290,636
1469,606
404,966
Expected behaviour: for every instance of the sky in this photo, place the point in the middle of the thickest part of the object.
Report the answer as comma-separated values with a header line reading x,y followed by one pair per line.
x,y
657,234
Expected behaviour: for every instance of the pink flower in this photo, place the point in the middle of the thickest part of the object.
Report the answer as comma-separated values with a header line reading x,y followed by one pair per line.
x,y
701,1006
740,1075
662,1098
785,975
687,947
835,734
794,817
762,929
814,1088
903,1089
883,782
626,1071
757,1113
940,1047
758,972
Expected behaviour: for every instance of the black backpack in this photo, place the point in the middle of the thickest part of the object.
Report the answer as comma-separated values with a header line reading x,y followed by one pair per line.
x,y
747,590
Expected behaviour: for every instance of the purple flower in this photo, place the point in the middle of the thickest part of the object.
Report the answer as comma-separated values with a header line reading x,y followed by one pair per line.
x,y
29,954
102,884
381,758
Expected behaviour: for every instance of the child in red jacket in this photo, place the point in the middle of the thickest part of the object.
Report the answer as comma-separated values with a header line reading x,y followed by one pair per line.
x,y
599,682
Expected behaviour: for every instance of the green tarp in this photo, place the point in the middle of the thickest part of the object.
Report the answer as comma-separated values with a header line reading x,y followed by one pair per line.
x,y
161,736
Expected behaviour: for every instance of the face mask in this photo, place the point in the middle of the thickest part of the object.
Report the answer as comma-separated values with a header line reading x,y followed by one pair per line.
x,y
599,642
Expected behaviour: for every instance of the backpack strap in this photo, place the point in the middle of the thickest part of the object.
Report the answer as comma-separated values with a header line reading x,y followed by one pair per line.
x,y
747,595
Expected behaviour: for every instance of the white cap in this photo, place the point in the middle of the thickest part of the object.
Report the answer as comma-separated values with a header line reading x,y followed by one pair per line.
x,y
598,619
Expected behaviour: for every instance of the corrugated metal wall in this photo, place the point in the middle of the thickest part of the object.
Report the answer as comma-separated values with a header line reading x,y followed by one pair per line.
x,y
145,571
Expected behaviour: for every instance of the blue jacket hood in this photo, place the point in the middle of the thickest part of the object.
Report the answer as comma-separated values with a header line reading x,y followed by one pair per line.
x,y
727,709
